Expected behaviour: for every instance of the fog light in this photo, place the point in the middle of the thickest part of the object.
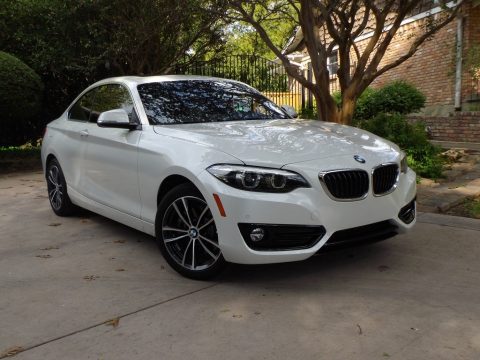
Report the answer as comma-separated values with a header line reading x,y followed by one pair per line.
x,y
408,212
257,234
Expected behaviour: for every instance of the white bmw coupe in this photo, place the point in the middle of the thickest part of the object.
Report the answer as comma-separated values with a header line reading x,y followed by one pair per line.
x,y
218,173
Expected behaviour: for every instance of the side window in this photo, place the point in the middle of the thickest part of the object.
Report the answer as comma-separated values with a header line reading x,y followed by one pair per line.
x,y
111,97
81,110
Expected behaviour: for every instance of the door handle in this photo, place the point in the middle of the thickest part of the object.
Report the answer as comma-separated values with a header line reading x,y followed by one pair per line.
x,y
84,132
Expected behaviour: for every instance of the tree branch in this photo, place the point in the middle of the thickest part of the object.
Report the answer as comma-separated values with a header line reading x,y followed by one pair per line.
x,y
416,44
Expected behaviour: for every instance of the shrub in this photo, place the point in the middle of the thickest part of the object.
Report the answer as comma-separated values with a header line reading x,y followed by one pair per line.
x,y
397,97
337,97
26,150
308,113
423,157
365,105
20,100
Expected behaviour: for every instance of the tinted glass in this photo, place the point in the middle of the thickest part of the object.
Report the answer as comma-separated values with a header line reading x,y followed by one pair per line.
x,y
199,101
82,108
111,97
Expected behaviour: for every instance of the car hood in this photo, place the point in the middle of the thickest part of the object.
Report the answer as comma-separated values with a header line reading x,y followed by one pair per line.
x,y
276,143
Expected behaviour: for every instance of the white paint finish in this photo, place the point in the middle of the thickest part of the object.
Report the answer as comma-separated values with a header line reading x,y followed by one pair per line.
x,y
303,207
117,172
274,143
161,155
109,172
65,141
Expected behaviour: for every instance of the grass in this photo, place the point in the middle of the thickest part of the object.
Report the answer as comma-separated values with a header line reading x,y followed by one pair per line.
x,y
17,152
20,158
28,149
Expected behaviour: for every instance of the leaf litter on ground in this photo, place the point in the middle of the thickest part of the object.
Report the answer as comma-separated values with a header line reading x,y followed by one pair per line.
x,y
12,351
90,277
113,322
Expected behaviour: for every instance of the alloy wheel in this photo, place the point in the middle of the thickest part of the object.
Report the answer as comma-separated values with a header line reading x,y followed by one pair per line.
x,y
189,233
55,187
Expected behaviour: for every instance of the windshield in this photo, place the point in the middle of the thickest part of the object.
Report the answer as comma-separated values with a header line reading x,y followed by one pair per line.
x,y
200,101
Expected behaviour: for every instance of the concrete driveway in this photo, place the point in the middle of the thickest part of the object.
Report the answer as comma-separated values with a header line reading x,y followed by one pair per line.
x,y
63,279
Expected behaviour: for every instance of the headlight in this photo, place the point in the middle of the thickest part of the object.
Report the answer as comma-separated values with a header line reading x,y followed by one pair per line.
x,y
258,179
404,164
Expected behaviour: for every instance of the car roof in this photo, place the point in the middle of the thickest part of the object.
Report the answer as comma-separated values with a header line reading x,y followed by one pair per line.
x,y
137,80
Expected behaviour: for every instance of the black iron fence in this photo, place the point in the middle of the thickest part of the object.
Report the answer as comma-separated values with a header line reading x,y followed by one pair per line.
x,y
265,75
473,92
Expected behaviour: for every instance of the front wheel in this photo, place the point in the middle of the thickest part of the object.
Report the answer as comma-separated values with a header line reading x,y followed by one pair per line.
x,y
57,190
187,235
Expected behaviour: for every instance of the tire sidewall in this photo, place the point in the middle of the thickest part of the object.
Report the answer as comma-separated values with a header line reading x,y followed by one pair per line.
x,y
67,207
175,193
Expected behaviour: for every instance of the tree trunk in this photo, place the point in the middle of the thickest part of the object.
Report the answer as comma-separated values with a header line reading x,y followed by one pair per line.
x,y
345,113
329,111
326,106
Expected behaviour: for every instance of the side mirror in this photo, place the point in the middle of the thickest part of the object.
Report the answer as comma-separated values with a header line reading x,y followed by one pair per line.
x,y
290,110
117,118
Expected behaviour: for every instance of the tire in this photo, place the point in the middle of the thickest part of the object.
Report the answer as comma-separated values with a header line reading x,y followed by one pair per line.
x,y
186,234
57,190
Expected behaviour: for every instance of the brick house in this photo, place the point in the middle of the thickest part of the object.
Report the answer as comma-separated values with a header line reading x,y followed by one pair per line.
x,y
452,109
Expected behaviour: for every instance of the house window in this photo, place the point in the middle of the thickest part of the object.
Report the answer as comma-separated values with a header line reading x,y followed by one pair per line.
x,y
332,63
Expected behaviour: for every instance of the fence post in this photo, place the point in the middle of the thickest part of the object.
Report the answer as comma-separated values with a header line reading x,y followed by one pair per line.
x,y
309,78
302,89
269,77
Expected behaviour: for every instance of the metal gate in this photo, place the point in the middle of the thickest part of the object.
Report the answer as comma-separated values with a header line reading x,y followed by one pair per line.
x,y
265,75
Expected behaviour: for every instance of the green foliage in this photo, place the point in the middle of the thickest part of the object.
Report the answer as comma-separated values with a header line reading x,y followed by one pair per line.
x,y
472,61
21,91
20,158
337,97
397,97
364,108
262,74
473,207
364,105
242,39
26,150
423,157
308,113
383,111
72,44
245,56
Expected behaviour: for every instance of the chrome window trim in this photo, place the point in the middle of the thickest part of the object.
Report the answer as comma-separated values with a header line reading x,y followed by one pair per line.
x,y
395,185
322,174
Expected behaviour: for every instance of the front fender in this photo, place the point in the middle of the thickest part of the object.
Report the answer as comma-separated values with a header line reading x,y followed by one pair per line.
x,y
162,156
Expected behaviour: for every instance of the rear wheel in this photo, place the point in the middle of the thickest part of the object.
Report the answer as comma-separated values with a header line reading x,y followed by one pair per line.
x,y
57,190
187,235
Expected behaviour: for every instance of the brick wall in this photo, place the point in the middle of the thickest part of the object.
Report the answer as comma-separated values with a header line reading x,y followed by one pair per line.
x,y
431,69
462,126
471,88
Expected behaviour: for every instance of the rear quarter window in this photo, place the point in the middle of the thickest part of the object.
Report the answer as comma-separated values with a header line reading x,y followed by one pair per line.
x,y
82,109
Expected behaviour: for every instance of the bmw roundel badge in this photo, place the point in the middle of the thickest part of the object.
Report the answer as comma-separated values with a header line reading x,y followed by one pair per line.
x,y
359,159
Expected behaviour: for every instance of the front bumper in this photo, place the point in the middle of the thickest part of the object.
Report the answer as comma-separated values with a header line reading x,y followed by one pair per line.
x,y
303,206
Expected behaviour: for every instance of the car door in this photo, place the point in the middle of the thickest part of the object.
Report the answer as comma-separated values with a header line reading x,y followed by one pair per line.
x,y
74,141
110,159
